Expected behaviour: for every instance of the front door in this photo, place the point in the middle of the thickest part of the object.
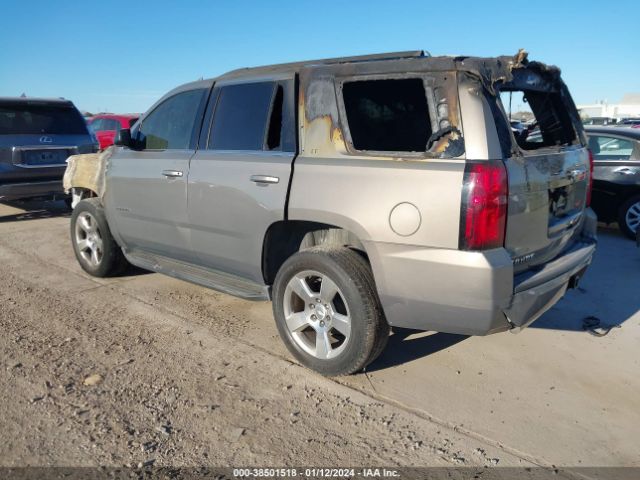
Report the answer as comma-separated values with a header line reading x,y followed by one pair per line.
x,y
146,194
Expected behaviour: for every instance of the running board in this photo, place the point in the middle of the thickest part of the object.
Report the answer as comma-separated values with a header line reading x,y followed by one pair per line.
x,y
220,281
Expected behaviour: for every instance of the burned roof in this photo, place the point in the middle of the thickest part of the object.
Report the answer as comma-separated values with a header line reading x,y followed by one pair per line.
x,y
490,69
283,68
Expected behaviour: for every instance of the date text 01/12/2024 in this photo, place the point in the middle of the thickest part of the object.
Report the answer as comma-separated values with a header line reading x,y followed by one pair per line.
x,y
314,472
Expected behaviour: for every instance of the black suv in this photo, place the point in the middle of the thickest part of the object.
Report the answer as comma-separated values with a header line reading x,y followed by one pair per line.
x,y
36,137
616,176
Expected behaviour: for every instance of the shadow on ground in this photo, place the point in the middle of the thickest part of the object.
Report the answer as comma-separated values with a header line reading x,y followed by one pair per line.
x,y
406,345
36,210
609,291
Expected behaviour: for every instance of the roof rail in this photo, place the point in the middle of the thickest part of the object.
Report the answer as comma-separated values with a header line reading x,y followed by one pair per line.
x,y
328,61
372,57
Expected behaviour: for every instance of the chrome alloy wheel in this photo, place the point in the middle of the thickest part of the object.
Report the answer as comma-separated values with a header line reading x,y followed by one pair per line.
x,y
317,315
632,217
88,239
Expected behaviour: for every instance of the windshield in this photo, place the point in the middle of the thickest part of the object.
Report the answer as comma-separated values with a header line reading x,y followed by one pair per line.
x,y
35,119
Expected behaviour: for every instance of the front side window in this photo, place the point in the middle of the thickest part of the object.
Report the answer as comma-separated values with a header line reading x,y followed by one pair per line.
x,y
170,125
388,115
610,148
240,118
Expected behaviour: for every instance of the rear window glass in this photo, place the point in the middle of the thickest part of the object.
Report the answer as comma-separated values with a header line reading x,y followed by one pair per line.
x,y
102,124
387,115
34,119
544,118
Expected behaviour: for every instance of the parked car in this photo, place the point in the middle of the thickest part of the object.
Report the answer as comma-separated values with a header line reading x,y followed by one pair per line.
x,y
36,137
616,179
106,125
600,121
390,191
517,126
630,122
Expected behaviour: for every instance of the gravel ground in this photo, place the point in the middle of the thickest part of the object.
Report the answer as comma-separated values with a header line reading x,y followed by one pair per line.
x,y
145,370
93,375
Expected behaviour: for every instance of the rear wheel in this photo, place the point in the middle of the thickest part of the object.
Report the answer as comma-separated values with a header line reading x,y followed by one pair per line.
x,y
327,310
629,217
97,252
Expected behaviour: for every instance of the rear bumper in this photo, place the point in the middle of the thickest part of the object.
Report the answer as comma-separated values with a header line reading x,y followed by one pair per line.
x,y
16,191
538,293
470,293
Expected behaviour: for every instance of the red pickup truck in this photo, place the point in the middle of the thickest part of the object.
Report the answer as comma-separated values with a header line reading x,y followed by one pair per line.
x,y
106,125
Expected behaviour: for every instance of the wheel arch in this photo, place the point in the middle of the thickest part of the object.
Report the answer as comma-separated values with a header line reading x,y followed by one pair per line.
x,y
285,238
81,193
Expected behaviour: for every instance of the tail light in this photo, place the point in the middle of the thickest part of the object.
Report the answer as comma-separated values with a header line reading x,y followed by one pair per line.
x,y
483,215
590,186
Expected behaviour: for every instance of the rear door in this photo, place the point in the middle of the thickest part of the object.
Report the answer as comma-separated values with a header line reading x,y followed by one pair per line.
x,y
146,193
616,171
548,170
616,158
239,178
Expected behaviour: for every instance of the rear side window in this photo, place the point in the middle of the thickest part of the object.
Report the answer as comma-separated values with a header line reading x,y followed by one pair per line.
x,y
102,124
240,118
170,125
37,119
388,115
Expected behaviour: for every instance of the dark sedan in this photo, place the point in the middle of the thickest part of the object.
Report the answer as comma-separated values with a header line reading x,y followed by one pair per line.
x,y
616,186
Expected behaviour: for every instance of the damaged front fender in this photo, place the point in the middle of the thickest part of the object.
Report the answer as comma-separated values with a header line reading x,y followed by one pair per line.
x,y
87,172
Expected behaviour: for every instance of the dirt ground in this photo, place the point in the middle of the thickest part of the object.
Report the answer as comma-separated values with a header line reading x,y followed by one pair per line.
x,y
147,370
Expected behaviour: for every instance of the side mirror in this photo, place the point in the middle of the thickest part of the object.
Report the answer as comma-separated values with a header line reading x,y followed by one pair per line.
x,y
123,138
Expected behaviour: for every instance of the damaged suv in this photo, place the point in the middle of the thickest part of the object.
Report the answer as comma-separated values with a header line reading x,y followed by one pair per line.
x,y
355,193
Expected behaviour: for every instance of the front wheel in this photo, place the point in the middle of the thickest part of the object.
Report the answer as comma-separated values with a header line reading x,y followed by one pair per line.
x,y
629,217
327,310
96,250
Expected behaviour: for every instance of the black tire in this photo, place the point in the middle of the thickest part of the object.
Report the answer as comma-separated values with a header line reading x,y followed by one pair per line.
x,y
382,337
111,259
354,279
622,215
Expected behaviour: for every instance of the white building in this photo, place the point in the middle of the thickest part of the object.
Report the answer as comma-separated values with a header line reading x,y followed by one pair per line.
x,y
628,107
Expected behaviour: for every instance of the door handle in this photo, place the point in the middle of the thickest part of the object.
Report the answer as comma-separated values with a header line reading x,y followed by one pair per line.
x,y
625,171
264,179
172,173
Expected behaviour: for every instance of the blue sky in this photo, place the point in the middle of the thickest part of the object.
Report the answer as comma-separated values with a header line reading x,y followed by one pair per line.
x,y
121,56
